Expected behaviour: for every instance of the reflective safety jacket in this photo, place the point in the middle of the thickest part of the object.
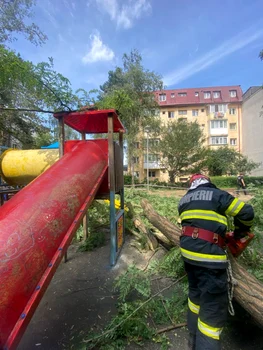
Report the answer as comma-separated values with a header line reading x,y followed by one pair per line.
x,y
206,207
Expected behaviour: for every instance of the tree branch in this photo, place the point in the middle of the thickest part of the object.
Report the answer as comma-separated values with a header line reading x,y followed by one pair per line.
x,y
166,329
134,312
27,110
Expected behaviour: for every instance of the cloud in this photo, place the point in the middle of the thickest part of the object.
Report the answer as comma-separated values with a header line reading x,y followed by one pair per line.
x,y
125,14
70,7
98,51
50,16
225,49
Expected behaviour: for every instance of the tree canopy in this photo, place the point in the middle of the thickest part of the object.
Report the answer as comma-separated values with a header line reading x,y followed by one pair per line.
x,y
225,160
13,18
27,90
181,146
129,89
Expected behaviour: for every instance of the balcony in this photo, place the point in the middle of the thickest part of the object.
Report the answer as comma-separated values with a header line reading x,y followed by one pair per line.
x,y
218,131
153,165
217,115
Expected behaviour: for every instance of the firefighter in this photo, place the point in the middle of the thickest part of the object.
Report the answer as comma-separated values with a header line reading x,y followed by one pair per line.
x,y
203,213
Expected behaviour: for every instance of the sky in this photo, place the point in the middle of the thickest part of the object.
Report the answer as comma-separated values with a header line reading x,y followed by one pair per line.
x,y
190,43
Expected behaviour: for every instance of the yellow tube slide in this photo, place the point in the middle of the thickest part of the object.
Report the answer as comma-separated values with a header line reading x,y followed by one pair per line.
x,y
19,167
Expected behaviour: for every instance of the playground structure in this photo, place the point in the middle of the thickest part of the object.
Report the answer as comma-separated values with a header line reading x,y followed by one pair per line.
x,y
39,222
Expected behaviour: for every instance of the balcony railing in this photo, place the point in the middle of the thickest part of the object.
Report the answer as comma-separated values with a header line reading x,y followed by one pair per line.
x,y
217,115
153,165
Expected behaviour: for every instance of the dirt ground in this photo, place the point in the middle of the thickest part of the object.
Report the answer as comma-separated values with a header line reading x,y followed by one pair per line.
x,y
80,298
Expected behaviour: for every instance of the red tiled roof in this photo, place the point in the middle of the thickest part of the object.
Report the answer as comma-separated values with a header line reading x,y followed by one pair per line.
x,y
191,99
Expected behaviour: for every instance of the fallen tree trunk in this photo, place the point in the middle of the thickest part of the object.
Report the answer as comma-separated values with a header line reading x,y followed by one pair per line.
x,y
160,236
248,291
144,232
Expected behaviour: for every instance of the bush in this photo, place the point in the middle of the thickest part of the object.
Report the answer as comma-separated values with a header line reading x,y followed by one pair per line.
x,y
219,181
231,181
224,181
167,184
128,179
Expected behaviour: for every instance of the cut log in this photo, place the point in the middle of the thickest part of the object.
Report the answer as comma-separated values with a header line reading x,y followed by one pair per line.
x,y
160,236
248,292
171,231
144,232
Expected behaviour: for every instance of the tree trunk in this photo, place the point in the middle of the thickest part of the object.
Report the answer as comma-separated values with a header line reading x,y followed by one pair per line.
x,y
160,236
248,292
151,241
171,176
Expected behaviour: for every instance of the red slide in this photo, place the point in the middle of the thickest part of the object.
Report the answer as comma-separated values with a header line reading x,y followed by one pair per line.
x,y
36,227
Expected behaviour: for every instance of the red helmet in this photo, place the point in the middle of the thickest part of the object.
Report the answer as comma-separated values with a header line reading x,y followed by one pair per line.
x,y
198,176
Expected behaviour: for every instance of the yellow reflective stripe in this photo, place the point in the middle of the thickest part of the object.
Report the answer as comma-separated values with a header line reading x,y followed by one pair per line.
x,y
193,307
209,331
204,215
203,257
235,207
247,223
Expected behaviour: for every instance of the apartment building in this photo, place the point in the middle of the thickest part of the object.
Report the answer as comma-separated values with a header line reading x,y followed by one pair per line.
x,y
217,109
252,127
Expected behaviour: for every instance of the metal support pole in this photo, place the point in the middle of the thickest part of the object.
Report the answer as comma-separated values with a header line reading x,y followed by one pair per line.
x,y
122,189
61,131
85,226
113,248
147,159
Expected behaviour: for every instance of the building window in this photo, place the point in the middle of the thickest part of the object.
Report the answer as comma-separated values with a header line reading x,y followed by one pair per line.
x,y
233,142
195,112
152,173
163,112
218,108
170,114
162,97
232,111
233,126
151,143
151,157
216,94
233,93
207,94
172,95
182,112
196,94
182,94
218,124
217,140
202,110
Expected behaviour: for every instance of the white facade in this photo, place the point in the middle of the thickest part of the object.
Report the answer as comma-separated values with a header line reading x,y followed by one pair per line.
x,y
252,127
